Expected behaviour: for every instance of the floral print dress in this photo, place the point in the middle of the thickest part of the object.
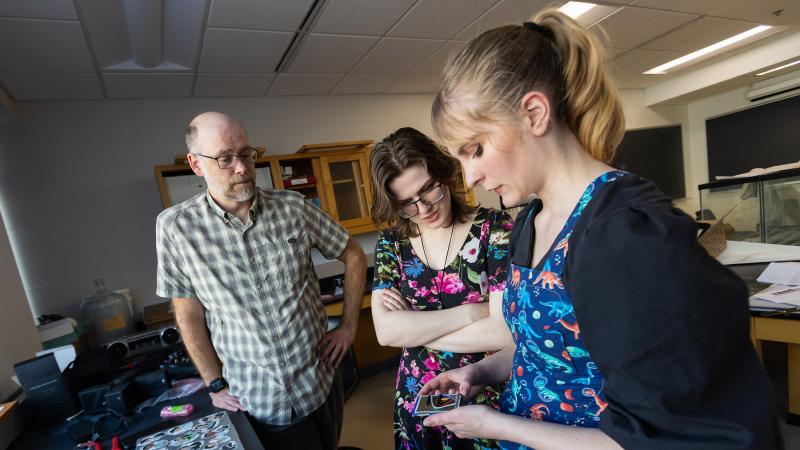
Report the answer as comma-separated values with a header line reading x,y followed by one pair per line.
x,y
478,268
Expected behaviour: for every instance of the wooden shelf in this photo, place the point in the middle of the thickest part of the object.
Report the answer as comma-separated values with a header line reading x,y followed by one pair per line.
x,y
346,180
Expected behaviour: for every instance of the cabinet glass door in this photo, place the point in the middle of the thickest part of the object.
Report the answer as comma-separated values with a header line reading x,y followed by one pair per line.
x,y
349,189
348,192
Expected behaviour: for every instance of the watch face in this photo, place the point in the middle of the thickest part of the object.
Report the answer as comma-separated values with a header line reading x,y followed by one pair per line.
x,y
217,385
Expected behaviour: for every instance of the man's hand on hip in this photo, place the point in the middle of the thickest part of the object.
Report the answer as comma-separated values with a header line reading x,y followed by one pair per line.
x,y
335,344
224,400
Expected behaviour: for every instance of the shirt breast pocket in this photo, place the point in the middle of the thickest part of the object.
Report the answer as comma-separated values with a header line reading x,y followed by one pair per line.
x,y
286,259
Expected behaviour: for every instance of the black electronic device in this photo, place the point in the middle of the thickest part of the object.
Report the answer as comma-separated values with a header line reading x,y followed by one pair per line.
x,y
93,398
90,369
142,343
152,384
80,429
120,398
46,392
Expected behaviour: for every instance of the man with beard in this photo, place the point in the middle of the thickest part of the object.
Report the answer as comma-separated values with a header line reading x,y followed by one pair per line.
x,y
236,262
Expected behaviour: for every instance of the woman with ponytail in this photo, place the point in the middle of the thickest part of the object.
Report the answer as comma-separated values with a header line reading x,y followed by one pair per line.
x,y
626,332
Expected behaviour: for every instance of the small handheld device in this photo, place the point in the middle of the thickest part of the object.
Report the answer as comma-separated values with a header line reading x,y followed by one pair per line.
x,y
436,403
177,410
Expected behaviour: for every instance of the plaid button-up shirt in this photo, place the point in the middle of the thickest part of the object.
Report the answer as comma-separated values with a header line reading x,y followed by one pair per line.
x,y
261,295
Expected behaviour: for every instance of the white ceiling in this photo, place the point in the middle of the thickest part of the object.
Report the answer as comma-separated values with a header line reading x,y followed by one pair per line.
x,y
85,49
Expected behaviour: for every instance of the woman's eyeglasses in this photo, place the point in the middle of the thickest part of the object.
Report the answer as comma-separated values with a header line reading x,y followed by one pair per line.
x,y
247,156
430,197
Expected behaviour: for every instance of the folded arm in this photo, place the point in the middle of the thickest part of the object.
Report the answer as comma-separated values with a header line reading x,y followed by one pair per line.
x,y
406,328
487,334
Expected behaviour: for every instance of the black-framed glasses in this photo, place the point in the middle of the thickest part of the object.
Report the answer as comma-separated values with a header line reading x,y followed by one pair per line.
x,y
247,156
430,197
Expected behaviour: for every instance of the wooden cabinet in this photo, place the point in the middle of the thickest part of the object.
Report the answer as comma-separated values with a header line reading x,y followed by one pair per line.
x,y
333,176
303,175
349,196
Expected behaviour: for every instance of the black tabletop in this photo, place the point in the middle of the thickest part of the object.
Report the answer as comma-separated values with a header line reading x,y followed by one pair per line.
x,y
55,437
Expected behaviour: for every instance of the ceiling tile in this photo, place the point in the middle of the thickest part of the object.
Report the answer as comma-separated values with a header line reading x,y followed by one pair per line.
x,y
327,53
231,85
704,7
148,85
183,31
434,64
303,84
279,15
42,9
637,61
29,45
243,51
596,15
364,84
363,17
107,30
698,34
614,52
504,13
662,4
396,56
47,86
636,81
440,19
416,84
631,27
761,11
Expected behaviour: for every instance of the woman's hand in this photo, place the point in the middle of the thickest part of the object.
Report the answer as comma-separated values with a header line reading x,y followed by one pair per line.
x,y
393,299
466,422
464,380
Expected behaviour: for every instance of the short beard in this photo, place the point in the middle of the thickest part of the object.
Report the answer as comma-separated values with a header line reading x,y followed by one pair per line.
x,y
241,192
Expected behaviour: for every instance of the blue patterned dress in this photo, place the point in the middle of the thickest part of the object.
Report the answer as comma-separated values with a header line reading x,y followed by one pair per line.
x,y
553,378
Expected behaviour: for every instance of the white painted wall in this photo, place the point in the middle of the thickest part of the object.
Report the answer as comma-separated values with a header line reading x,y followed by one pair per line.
x,y
18,337
81,200
80,194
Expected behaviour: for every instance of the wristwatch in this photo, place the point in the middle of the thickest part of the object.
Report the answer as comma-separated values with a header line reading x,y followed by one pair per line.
x,y
217,385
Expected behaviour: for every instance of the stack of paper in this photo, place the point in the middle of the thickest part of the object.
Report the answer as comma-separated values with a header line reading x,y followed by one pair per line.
x,y
784,291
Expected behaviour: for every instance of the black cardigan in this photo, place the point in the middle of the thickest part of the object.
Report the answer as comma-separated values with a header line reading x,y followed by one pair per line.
x,y
667,325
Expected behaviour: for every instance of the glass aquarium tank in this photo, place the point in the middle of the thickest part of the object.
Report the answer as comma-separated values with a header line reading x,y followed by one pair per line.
x,y
762,208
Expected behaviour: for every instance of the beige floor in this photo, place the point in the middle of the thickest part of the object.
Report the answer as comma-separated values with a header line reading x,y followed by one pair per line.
x,y
368,413
368,416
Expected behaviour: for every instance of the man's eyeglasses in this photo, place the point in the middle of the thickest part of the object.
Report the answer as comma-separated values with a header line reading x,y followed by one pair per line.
x,y
430,197
247,156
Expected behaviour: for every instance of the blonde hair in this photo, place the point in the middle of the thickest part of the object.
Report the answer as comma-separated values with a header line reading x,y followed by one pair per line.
x,y
488,78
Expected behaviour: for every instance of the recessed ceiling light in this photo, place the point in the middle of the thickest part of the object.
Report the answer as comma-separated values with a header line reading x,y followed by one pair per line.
x,y
778,68
661,70
576,9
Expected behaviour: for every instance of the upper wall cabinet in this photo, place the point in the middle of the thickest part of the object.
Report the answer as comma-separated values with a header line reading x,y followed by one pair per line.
x,y
333,176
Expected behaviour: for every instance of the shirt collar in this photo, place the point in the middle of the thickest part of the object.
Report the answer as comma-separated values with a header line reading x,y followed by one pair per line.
x,y
224,215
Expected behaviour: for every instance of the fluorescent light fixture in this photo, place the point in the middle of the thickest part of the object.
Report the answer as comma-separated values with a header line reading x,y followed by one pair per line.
x,y
660,70
576,9
778,68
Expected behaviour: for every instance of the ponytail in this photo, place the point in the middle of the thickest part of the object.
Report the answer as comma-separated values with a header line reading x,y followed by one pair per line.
x,y
593,109
489,77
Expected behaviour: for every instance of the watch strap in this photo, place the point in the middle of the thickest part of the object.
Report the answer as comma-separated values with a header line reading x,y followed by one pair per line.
x,y
217,385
